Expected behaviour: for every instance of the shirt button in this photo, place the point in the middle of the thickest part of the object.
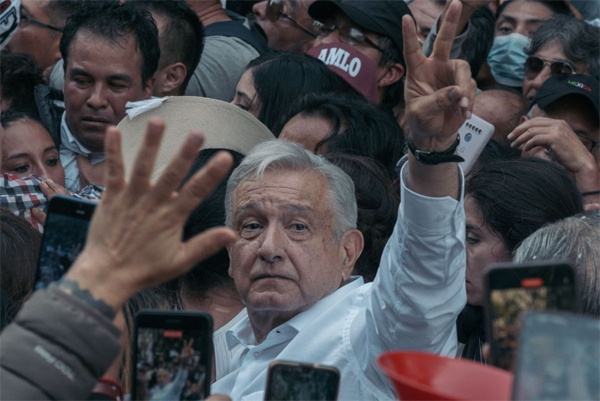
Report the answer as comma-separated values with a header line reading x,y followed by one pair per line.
x,y
256,355
441,217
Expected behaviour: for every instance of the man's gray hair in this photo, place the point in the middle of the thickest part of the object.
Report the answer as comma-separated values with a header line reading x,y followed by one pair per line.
x,y
279,155
575,240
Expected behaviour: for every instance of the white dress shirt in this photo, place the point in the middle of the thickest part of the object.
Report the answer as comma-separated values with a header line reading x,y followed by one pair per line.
x,y
70,147
412,304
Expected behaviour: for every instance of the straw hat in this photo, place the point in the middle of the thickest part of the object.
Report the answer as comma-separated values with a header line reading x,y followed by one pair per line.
x,y
224,126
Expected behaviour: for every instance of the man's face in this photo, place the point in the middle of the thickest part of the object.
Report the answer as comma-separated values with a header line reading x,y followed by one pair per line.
x,y
162,378
522,17
550,52
101,76
283,34
286,258
425,13
484,247
39,42
579,116
340,20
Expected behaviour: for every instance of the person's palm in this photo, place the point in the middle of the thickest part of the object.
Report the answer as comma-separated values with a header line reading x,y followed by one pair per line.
x,y
439,92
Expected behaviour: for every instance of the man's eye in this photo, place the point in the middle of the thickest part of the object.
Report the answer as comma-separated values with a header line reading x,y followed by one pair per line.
x,y
241,106
299,227
52,162
505,29
118,86
251,226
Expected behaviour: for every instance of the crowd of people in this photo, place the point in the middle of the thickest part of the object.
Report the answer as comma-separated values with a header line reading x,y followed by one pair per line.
x,y
289,167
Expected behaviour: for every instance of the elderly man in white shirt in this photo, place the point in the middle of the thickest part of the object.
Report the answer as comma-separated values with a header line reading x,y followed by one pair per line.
x,y
295,215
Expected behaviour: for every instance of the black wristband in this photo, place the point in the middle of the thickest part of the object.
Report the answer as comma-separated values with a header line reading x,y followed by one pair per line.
x,y
434,158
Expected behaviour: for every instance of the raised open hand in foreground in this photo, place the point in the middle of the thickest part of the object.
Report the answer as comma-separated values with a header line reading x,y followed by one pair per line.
x,y
134,240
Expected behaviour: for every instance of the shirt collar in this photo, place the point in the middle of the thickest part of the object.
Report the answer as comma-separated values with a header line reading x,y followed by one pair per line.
x,y
68,141
242,333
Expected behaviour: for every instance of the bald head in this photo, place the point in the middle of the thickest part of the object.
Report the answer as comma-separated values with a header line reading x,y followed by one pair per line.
x,y
501,108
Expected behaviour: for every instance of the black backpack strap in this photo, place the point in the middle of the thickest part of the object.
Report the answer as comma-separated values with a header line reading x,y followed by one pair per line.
x,y
236,29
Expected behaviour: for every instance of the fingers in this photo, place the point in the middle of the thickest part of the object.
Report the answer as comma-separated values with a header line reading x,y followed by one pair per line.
x,y
39,215
204,245
144,162
443,43
50,188
447,97
203,182
178,168
413,56
528,135
462,79
113,174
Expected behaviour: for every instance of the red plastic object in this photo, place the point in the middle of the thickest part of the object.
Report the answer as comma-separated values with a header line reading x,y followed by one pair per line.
x,y
423,376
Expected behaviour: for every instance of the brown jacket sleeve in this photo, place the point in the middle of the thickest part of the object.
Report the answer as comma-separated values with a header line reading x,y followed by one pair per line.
x,y
57,348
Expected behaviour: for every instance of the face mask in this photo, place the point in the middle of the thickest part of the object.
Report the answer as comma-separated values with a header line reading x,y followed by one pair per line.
x,y
507,59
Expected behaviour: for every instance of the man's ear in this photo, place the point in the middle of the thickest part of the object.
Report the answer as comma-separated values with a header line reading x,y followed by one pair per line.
x,y
149,87
522,119
392,75
172,78
352,244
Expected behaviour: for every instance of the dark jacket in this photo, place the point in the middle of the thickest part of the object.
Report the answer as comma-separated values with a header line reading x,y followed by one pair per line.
x,y
48,102
57,348
470,330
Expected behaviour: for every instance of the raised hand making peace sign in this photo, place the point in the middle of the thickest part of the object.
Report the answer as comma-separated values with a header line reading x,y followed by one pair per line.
x,y
439,95
439,92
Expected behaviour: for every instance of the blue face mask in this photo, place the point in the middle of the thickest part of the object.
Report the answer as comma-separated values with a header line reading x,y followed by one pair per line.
x,y
507,59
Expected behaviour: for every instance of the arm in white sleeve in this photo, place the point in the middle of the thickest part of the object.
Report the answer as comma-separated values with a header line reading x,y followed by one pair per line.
x,y
420,286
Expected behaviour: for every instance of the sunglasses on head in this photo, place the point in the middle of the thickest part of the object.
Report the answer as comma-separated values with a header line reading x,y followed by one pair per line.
x,y
534,65
275,11
348,35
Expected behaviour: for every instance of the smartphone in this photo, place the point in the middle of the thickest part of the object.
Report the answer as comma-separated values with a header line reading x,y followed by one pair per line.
x,y
474,134
66,228
172,355
512,289
558,357
288,381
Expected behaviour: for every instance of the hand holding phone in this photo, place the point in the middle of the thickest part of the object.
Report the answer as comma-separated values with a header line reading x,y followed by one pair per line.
x,y
512,289
474,134
65,233
293,381
558,357
172,355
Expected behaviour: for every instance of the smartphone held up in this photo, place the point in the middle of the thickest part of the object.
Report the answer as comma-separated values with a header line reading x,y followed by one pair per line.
x,y
513,289
172,355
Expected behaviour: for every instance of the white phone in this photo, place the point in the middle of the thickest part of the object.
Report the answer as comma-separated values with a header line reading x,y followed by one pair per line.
x,y
475,133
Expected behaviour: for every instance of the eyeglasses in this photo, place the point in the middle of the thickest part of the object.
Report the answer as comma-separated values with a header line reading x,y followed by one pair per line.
x,y
347,34
534,65
39,23
587,142
275,11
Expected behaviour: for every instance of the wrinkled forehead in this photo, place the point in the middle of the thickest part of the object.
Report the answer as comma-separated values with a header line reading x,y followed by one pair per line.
x,y
283,191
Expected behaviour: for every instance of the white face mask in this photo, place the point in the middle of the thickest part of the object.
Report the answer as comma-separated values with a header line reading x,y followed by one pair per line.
x,y
507,59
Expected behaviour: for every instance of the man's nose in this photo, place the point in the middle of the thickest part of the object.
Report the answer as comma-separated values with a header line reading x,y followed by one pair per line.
x,y
97,98
260,10
272,246
332,37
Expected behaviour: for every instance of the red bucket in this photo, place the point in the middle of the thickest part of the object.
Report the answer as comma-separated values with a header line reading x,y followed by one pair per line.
x,y
423,376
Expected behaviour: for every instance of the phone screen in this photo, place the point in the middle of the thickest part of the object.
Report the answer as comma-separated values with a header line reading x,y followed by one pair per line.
x,y
172,364
302,382
65,232
514,291
559,358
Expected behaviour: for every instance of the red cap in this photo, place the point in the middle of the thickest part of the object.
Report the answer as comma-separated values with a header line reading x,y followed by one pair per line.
x,y
350,64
